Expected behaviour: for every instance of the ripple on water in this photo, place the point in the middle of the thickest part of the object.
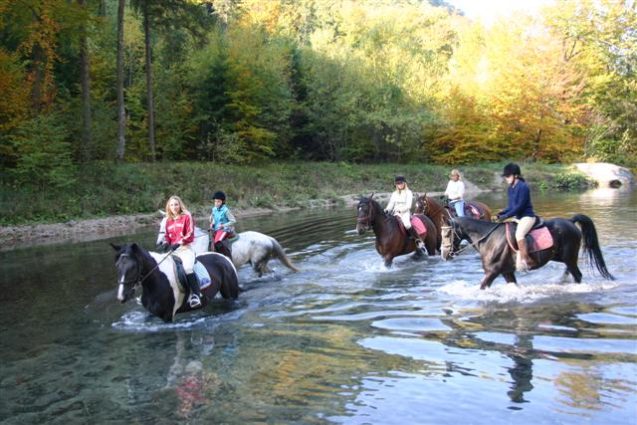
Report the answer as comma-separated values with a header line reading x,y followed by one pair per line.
x,y
142,321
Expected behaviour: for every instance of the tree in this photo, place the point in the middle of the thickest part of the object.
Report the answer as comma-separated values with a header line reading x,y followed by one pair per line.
x,y
121,107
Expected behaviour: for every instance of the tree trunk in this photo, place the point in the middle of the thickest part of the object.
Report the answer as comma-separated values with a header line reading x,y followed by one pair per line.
x,y
121,111
149,83
85,80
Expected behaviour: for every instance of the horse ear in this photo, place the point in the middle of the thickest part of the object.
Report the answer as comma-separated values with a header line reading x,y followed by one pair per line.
x,y
117,248
371,196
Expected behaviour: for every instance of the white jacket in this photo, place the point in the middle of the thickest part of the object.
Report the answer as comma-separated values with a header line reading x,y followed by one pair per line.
x,y
400,201
455,190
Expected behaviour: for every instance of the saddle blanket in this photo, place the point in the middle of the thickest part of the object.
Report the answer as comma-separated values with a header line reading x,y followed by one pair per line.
x,y
202,275
473,211
420,227
542,239
538,239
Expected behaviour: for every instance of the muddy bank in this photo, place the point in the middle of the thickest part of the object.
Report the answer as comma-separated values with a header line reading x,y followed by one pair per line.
x,y
12,237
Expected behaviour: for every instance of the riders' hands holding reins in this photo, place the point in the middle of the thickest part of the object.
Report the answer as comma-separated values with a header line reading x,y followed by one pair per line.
x,y
165,247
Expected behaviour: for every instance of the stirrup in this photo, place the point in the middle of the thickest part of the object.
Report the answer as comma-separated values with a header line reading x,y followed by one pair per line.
x,y
194,301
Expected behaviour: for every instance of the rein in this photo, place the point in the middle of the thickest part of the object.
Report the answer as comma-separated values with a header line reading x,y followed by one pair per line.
x,y
139,281
474,244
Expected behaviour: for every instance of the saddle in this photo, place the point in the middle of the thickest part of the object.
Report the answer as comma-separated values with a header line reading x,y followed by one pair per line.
x,y
204,278
470,210
538,239
417,224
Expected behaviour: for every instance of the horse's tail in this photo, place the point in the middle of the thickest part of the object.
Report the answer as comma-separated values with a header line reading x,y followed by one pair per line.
x,y
280,254
591,244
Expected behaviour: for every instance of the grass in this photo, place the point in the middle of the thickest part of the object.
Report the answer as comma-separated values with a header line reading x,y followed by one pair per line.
x,y
106,189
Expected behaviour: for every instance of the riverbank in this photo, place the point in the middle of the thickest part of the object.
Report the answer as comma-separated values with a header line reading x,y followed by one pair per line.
x,y
251,191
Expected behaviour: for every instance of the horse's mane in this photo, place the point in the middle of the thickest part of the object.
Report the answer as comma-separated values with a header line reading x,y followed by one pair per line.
x,y
377,206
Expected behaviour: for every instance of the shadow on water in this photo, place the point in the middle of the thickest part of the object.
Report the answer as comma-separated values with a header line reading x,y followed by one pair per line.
x,y
345,340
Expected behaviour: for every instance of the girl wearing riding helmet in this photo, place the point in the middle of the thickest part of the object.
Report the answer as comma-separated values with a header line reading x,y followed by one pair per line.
x,y
221,219
400,205
455,192
178,237
520,207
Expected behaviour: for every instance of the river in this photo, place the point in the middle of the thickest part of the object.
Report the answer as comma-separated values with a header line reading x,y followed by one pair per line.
x,y
344,341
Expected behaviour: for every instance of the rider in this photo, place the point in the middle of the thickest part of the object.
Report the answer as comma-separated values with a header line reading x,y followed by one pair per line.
x,y
455,192
400,205
519,206
221,221
178,237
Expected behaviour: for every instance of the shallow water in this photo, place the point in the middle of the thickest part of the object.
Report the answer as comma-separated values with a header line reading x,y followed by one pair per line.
x,y
344,341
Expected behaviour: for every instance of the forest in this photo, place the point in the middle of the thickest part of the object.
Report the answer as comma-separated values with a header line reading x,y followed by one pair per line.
x,y
252,81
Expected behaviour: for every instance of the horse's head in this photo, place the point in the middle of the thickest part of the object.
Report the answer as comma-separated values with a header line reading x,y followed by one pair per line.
x,y
129,270
451,239
366,211
422,205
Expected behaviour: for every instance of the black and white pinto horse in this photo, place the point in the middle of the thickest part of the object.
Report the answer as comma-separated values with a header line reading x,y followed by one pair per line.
x,y
162,293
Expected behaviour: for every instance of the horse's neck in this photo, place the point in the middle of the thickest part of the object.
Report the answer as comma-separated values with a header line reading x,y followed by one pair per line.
x,y
477,230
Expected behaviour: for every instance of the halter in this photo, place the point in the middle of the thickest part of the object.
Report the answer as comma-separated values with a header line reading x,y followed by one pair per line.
x,y
473,244
366,220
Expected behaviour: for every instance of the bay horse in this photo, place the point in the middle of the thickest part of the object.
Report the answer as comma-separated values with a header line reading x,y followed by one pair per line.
x,y
249,247
391,238
441,214
162,294
498,257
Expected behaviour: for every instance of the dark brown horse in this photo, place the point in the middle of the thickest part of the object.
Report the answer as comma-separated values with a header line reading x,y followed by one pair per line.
x,y
499,258
391,238
440,213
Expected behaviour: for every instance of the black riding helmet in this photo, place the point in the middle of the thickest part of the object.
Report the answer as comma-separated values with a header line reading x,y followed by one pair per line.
x,y
511,169
400,179
219,195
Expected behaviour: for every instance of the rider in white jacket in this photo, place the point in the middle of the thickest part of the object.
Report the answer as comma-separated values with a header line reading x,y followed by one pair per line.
x,y
399,205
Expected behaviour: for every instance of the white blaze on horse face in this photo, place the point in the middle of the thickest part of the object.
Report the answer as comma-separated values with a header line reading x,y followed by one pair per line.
x,y
120,291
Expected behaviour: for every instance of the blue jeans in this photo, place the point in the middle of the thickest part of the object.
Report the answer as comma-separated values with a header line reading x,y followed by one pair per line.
x,y
459,206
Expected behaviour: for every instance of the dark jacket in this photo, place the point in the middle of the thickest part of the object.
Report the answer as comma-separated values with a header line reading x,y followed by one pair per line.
x,y
519,204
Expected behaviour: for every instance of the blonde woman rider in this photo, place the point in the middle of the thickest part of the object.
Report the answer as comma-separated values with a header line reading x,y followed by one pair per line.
x,y
455,192
178,237
400,205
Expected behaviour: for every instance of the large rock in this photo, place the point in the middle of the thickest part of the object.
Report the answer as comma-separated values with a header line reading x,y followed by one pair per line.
x,y
607,175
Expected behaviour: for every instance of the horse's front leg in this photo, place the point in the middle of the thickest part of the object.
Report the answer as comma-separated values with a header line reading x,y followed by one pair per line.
x,y
388,261
488,279
510,277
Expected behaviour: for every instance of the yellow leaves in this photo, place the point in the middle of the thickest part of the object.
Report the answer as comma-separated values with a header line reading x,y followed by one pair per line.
x,y
15,92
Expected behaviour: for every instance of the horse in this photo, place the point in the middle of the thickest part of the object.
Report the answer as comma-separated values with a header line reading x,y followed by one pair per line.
x,y
249,247
498,257
162,294
440,214
391,238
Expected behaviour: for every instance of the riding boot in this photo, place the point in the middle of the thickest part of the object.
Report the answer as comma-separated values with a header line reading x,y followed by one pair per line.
x,y
195,293
523,262
414,235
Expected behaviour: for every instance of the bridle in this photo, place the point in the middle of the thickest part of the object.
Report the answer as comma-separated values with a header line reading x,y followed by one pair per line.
x,y
139,279
365,221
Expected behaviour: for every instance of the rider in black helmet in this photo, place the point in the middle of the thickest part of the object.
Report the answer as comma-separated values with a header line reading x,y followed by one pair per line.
x,y
520,207
221,223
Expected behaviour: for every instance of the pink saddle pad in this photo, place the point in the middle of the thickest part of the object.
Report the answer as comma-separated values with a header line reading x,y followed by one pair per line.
x,y
542,239
420,227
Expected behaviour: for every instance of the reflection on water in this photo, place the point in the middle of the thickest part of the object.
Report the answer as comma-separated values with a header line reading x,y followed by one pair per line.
x,y
345,340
